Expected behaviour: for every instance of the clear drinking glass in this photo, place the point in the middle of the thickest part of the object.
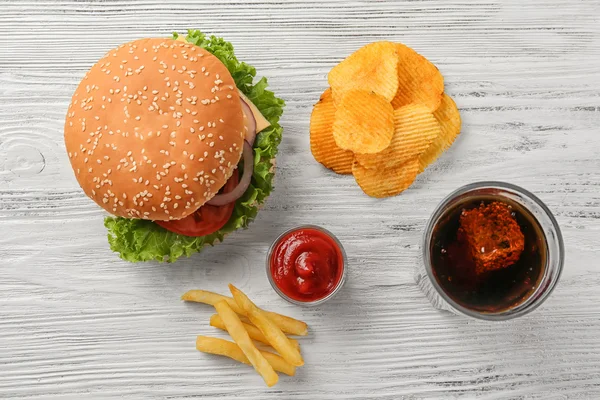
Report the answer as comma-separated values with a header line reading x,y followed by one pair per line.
x,y
429,284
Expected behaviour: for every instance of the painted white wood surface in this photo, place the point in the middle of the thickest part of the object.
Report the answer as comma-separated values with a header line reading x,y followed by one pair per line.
x,y
77,322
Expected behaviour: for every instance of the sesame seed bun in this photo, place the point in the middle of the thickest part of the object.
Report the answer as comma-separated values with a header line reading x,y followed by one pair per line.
x,y
155,129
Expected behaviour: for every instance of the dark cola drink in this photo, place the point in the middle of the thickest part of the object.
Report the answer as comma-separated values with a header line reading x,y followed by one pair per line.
x,y
500,278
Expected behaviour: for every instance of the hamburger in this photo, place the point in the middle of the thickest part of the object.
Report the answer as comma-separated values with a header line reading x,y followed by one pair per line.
x,y
176,140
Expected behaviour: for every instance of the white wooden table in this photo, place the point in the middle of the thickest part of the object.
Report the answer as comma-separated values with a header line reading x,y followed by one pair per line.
x,y
77,322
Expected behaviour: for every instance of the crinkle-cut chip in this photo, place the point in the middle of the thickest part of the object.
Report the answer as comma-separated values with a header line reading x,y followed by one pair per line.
x,y
322,144
386,182
419,81
364,122
448,117
415,128
373,67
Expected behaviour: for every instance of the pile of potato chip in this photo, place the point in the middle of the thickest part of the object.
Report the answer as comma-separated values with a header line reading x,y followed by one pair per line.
x,y
384,119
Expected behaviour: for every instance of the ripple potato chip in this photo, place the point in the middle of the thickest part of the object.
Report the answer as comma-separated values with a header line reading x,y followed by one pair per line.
x,y
373,67
386,182
419,81
322,144
448,117
384,119
415,128
364,122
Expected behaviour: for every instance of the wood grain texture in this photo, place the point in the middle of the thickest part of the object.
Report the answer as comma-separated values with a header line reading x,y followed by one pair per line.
x,y
77,322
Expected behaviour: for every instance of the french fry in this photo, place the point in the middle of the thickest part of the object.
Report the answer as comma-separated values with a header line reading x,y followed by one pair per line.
x,y
274,335
286,324
240,336
210,298
229,349
253,332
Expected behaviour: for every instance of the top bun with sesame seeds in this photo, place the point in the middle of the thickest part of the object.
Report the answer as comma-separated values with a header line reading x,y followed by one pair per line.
x,y
155,129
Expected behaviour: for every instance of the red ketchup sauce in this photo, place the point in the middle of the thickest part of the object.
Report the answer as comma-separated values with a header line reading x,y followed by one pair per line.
x,y
307,264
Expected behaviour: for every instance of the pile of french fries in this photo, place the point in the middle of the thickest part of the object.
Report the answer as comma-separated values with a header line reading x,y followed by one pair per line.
x,y
265,327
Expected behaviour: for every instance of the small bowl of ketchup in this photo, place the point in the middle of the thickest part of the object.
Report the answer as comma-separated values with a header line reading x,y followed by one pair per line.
x,y
306,265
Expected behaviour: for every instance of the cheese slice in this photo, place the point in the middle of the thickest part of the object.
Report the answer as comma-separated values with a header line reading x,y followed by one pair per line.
x,y
261,121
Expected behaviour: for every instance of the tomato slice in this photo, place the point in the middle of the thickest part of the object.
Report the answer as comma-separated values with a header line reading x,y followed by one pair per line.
x,y
207,219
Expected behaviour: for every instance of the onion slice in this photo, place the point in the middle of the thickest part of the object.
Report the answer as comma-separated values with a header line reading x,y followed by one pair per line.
x,y
249,122
240,189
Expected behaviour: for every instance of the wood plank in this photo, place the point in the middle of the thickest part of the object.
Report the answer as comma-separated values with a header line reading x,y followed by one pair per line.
x,y
76,321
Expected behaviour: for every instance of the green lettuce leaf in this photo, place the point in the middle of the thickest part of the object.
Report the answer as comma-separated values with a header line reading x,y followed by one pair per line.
x,y
140,240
